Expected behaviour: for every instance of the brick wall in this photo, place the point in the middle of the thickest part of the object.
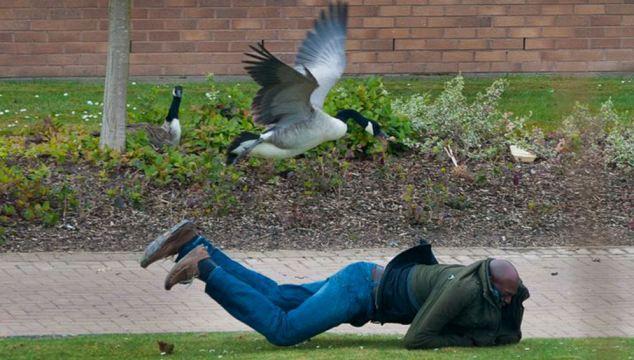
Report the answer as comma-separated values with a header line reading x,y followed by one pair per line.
x,y
194,37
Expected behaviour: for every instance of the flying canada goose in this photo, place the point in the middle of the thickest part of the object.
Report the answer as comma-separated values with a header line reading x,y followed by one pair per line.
x,y
289,102
168,134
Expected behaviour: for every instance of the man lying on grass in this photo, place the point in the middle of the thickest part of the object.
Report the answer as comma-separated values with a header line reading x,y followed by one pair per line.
x,y
446,305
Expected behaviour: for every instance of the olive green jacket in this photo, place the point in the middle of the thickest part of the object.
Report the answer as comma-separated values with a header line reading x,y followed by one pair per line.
x,y
459,309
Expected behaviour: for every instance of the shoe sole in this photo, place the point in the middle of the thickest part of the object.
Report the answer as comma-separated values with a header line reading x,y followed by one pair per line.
x,y
183,266
153,252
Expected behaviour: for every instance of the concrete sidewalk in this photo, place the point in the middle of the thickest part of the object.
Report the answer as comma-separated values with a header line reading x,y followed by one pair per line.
x,y
574,292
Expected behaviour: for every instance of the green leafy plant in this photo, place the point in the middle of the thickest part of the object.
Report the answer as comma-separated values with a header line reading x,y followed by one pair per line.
x,y
477,130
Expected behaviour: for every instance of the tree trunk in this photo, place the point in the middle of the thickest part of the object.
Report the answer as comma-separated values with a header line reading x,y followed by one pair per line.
x,y
115,92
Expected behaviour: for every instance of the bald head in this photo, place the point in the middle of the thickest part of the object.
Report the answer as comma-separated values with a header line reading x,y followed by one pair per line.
x,y
505,279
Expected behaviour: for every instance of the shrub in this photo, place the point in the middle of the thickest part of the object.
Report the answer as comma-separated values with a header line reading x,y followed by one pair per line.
x,y
605,130
369,97
477,130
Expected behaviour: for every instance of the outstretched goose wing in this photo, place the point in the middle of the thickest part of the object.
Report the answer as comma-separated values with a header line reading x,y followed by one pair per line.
x,y
285,93
323,52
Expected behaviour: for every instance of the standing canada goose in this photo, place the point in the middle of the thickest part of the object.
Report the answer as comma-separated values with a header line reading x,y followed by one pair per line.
x,y
289,102
168,134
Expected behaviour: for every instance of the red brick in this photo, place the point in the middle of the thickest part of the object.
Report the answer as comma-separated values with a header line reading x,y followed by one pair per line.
x,y
378,22
94,13
457,56
146,47
395,11
570,20
540,43
394,56
523,55
491,32
57,14
164,13
6,37
228,35
428,10
474,67
38,48
147,25
403,44
393,33
571,66
164,36
524,32
85,48
138,14
361,33
549,32
605,43
473,44
63,25
587,9
494,55
375,68
240,46
357,57
605,20
199,13
470,21
186,24
14,25
31,36
280,24
363,11
444,44
410,22
181,3
426,56
30,14
300,11
211,46
427,33
491,10
590,32
213,24
98,36
263,12
507,21
196,35
376,44
539,20
286,34
571,43
506,67
461,10
179,46
234,13
441,68
620,9
557,9
524,9
617,54
506,43
462,33
246,24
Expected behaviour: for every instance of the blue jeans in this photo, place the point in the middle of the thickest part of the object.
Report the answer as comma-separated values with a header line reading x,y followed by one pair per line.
x,y
289,314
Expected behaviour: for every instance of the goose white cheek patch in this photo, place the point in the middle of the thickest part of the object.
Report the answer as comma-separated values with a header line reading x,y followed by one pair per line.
x,y
369,128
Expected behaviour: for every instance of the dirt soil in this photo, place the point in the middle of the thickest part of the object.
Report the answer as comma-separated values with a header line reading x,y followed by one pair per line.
x,y
565,201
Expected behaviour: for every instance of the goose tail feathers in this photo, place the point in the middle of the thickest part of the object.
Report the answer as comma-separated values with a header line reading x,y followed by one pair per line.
x,y
241,146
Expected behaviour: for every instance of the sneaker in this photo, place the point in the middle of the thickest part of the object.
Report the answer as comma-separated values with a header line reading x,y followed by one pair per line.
x,y
187,268
169,243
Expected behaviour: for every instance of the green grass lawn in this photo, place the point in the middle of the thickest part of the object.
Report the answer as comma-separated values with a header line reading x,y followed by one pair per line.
x,y
252,346
549,98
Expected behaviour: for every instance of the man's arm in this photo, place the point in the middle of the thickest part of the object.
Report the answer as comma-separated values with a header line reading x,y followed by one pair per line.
x,y
510,328
426,329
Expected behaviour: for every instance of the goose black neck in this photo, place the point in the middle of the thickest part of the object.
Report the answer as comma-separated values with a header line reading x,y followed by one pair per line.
x,y
345,115
173,112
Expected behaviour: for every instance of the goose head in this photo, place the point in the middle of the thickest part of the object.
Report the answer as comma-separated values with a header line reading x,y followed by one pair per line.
x,y
370,126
